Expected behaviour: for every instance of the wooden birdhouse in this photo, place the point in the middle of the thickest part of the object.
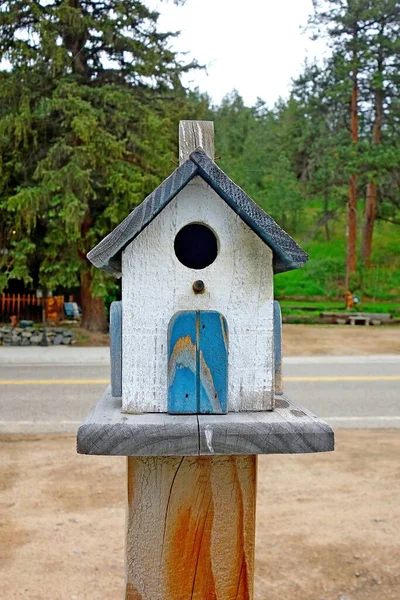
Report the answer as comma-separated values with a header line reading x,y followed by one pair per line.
x,y
195,330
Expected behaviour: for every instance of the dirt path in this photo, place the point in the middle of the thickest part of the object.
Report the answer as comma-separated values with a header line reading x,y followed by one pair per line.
x,y
306,340
336,340
327,526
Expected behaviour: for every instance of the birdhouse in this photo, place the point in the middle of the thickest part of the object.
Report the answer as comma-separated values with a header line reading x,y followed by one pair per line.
x,y
197,331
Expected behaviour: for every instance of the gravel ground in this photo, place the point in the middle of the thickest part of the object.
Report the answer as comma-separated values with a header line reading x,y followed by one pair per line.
x,y
303,340
327,525
338,340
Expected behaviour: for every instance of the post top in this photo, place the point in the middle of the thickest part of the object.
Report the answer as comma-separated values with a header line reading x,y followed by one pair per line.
x,y
289,429
193,135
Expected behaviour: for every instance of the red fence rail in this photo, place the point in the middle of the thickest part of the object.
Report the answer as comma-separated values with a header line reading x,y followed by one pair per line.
x,y
28,306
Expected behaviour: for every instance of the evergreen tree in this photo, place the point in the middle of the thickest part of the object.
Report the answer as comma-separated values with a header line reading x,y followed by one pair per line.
x,y
257,150
381,89
89,99
364,37
343,20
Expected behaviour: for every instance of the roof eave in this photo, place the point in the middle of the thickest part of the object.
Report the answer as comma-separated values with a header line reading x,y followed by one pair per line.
x,y
107,254
288,255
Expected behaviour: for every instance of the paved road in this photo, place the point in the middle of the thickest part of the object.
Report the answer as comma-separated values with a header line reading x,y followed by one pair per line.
x,y
46,397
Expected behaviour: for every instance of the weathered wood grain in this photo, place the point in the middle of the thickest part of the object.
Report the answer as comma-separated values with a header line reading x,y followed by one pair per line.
x,y
278,348
197,363
289,429
108,431
213,362
195,134
190,528
182,363
116,348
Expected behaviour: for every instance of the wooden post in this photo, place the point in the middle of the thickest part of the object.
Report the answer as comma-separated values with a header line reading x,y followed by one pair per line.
x,y
190,528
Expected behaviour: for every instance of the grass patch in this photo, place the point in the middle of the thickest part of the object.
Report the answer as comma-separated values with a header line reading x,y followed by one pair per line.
x,y
323,275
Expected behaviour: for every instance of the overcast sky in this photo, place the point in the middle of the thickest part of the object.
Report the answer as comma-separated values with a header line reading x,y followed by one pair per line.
x,y
255,46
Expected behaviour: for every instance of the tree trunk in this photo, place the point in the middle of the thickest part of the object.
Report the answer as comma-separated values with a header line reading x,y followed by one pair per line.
x,y
351,263
326,214
369,221
94,314
370,203
352,226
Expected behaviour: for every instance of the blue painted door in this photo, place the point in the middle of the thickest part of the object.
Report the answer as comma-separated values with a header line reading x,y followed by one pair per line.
x,y
197,362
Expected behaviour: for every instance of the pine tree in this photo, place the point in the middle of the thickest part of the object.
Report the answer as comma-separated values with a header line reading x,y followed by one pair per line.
x,y
381,83
364,37
90,95
343,22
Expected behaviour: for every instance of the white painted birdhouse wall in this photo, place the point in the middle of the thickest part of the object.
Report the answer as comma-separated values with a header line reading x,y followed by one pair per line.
x,y
156,285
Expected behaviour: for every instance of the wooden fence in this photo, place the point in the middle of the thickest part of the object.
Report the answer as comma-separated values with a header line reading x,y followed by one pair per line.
x,y
28,306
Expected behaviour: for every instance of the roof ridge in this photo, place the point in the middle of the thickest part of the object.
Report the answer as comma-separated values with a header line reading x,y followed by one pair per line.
x,y
287,254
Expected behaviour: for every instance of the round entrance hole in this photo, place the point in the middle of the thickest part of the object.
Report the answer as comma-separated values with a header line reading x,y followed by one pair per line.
x,y
196,246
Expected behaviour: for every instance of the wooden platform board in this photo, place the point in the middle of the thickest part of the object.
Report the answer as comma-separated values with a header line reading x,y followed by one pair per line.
x,y
289,429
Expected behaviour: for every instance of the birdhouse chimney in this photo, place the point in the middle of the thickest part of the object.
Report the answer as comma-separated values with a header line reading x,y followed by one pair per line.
x,y
193,135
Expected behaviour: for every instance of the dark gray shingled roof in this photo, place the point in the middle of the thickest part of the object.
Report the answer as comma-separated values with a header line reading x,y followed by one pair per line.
x,y
287,255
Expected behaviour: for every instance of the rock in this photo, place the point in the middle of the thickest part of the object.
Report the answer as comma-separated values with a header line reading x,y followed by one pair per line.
x,y
25,342
26,334
36,339
66,340
67,333
58,330
58,340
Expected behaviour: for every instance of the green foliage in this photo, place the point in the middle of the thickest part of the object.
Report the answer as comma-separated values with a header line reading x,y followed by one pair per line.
x,y
88,119
88,115
365,39
323,274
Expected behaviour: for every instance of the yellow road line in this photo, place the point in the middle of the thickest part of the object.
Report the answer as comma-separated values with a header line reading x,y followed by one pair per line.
x,y
106,381
51,381
346,378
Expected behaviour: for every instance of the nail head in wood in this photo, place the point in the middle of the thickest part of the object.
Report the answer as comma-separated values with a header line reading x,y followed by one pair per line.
x,y
198,286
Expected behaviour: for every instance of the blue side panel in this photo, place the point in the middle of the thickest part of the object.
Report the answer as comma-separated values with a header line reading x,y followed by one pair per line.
x,y
182,363
277,344
213,363
116,348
